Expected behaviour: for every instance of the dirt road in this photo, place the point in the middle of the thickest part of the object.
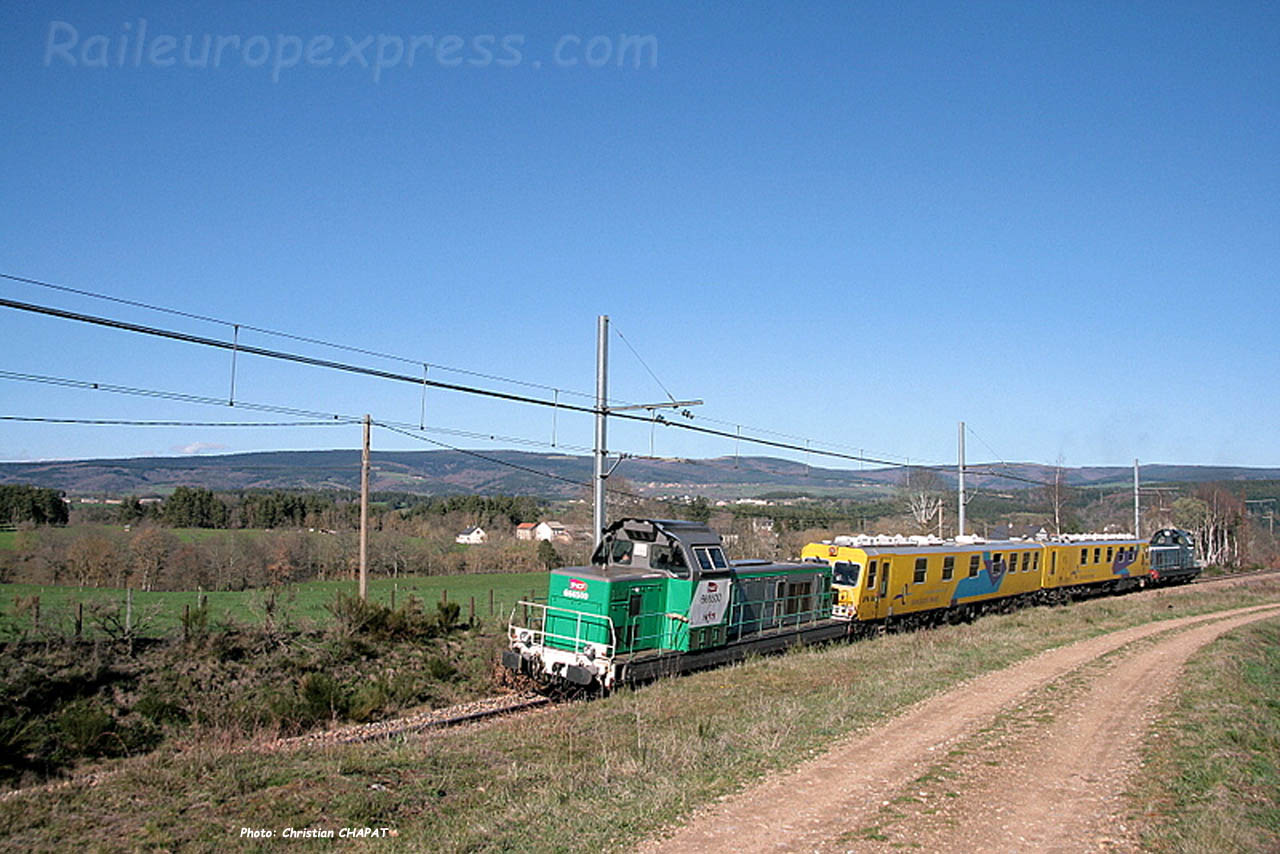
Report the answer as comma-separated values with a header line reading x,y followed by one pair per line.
x,y
1030,758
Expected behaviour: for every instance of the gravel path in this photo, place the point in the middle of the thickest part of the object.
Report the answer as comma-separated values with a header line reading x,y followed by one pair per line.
x,y
1058,791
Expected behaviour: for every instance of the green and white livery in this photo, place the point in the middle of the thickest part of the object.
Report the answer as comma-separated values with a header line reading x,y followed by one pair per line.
x,y
660,597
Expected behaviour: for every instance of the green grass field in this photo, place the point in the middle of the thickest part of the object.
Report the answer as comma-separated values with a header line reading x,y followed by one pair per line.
x,y
8,539
158,614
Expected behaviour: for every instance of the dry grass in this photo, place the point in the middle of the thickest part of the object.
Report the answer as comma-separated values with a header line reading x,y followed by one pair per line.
x,y
1211,782
592,776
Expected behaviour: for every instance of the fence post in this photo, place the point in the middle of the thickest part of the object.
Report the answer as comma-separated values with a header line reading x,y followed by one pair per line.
x,y
472,619
394,587
490,601
128,611
79,618
444,595
35,613
186,621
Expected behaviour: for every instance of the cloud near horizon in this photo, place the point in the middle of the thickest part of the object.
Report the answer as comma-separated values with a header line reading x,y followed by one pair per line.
x,y
199,448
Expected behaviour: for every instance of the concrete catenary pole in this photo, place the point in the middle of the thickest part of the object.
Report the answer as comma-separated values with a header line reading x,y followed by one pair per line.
x,y
1137,518
364,511
960,480
602,394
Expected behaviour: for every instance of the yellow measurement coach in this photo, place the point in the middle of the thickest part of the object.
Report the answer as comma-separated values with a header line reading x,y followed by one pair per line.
x,y
912,581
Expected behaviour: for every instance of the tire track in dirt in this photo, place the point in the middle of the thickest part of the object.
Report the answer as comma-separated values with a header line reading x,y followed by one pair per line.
x,y
845,787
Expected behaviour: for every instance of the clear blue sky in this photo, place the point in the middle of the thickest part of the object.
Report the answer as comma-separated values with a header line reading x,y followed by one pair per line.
x,y
858,223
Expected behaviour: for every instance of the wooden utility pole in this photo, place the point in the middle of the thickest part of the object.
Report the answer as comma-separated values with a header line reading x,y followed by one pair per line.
x,y
364,512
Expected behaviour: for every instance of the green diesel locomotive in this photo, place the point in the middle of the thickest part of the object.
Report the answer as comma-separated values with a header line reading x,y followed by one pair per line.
x,y
660,598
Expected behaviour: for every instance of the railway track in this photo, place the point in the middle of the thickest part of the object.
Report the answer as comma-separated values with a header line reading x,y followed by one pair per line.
x,y
503,705
1237,576
464,713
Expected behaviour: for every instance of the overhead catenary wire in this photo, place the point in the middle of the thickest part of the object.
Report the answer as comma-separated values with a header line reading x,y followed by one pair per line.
x,y
645,364
390,375
128,422
236,347
404,428
262,330
879,458
498,461
331,418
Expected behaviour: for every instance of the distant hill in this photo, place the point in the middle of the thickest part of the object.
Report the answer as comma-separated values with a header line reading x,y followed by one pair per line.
x,y
518,472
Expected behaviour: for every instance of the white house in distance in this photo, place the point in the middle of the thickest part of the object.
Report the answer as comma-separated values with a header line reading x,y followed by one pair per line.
x,y
471,537
526,530
553,532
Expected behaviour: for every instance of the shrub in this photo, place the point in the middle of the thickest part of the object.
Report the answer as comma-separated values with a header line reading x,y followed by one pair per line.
x,y
83,728
354,616
152,706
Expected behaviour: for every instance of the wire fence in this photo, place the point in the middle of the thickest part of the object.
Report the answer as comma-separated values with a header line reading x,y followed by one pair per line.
x,y
32,612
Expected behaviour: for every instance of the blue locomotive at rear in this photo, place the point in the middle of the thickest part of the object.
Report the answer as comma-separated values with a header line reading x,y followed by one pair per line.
x,y
1173,557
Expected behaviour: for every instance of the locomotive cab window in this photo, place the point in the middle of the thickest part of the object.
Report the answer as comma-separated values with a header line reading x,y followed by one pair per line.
x,y
843,572
710,557
922,568
871,575
620,552
670,558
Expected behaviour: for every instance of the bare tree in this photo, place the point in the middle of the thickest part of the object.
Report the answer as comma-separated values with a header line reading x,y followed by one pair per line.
x,y
95,561
1215,517
1058,494
149,551
923,494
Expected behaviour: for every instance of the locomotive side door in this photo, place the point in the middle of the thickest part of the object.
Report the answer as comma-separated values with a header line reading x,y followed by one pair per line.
x,y
870,587
882,595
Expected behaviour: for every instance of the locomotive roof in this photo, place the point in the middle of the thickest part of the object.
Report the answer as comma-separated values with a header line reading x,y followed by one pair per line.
x,y
688,533
610,574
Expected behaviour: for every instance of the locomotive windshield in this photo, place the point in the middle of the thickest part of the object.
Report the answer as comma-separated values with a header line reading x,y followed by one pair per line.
x,y
846,573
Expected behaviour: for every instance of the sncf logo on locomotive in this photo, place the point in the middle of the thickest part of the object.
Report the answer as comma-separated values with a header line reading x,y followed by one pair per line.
x,y
709,603
577,589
